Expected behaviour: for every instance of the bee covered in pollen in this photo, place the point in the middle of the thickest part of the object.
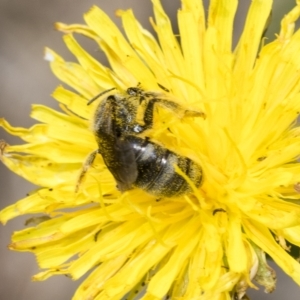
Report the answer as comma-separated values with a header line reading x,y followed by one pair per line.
x,y
134,159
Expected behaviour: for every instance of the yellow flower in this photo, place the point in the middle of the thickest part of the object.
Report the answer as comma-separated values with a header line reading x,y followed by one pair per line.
x,y
208,244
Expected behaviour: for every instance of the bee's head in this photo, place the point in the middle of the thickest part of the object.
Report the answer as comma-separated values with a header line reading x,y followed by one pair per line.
x,y
134,91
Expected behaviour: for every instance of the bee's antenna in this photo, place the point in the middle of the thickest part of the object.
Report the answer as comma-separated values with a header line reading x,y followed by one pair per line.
x,y
163,88
99,95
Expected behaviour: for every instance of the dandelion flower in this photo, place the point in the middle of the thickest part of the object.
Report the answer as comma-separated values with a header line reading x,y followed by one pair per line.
x,y
209,243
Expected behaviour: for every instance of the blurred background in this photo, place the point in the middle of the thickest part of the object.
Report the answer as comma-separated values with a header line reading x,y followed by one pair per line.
x,y
26,27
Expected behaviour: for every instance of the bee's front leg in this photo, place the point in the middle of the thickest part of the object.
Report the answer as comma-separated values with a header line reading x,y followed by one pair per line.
x,y
87,164
179,110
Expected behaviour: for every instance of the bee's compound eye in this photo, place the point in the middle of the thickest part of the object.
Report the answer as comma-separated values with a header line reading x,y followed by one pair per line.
x,y
133,91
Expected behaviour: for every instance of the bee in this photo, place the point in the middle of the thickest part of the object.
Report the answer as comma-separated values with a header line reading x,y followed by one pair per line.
x,y
134,159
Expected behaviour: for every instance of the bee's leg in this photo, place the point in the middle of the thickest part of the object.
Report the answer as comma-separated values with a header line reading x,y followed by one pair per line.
x,y
88,162
175,107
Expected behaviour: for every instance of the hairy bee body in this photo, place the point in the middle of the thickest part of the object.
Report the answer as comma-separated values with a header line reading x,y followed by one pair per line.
x,y
136,161
156,173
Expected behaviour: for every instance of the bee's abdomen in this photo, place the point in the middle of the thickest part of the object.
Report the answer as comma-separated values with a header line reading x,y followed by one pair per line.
x,y
156,172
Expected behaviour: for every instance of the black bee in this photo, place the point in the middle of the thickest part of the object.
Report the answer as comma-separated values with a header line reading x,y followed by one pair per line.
x,y
135,160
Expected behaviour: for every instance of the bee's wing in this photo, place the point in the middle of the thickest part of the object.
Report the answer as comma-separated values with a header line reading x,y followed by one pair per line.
x,y
124,167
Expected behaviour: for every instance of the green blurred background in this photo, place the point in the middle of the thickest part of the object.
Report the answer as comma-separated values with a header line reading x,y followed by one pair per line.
x,y
26,27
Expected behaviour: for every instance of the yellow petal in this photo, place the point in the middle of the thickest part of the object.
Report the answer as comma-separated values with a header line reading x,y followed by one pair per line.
x,y
121,56
249,42
261,236
191,21
72,74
